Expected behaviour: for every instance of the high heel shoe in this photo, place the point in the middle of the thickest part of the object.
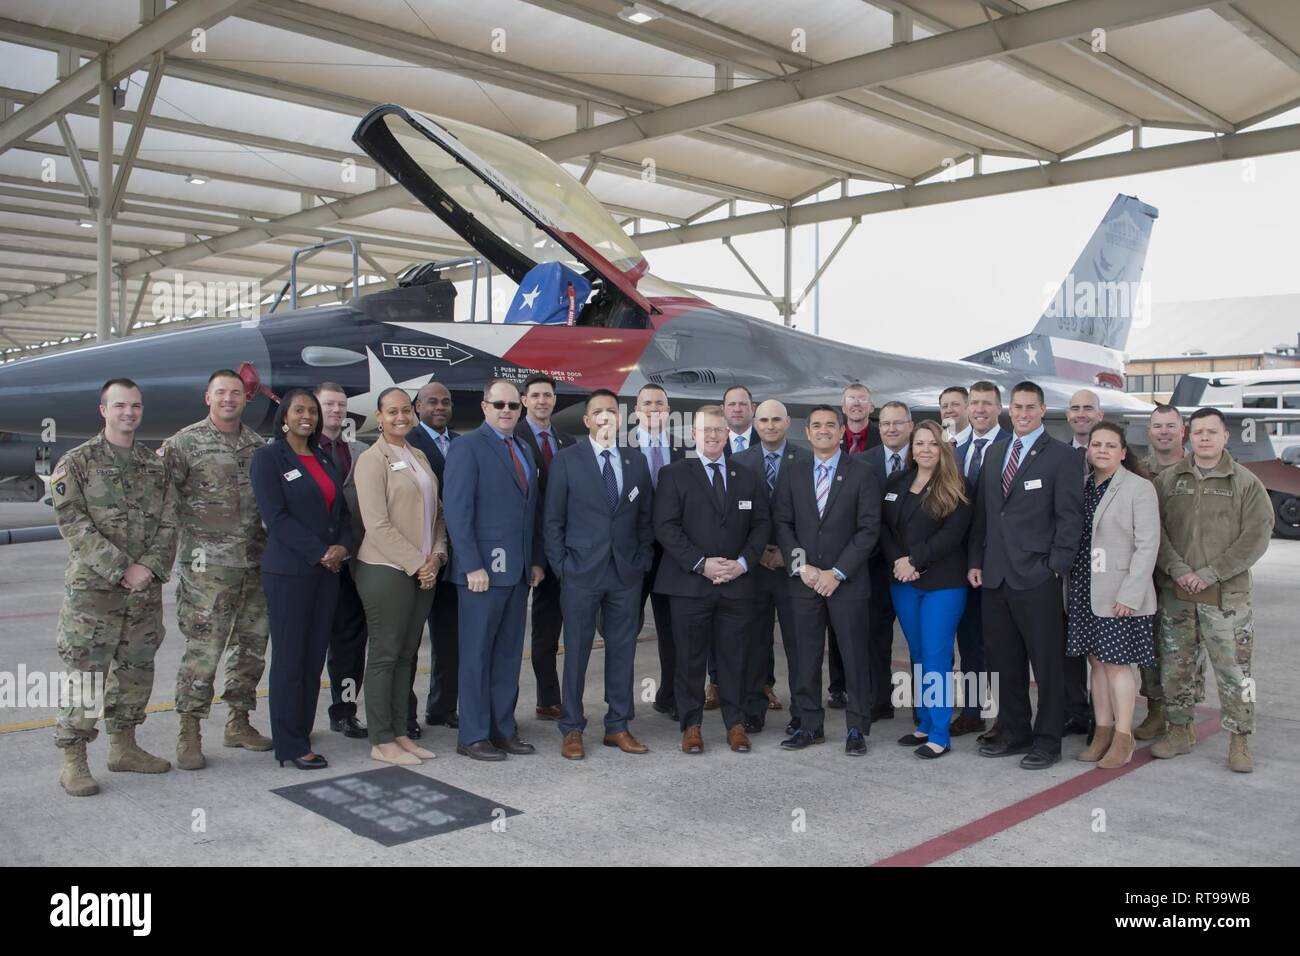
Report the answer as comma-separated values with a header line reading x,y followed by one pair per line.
x,y
314,762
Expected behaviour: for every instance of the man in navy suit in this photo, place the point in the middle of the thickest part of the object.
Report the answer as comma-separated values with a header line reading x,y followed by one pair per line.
x,y
978,415
1027,528
536,431
655,441
492,506
598,535
433,436
767,459
885,460
738,407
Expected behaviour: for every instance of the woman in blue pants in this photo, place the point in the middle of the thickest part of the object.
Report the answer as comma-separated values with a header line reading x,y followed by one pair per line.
x,y
926,515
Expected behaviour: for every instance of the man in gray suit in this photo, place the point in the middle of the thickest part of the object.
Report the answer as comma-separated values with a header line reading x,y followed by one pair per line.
x,y
774,603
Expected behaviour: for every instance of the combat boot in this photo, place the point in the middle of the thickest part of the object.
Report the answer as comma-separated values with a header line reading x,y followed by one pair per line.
x,y
76,778
124,754
1239,759
1178,739
240,733
1155,725
189,745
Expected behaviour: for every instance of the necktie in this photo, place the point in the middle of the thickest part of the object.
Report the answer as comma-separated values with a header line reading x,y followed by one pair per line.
x,y
740,442
545,439
656,462
823,487
443,442
977,459
769,467
719,489
519,466
611,481
1013,463
895,463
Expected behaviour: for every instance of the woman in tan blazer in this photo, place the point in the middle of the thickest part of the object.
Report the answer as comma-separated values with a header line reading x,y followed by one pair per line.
x,y
1112,598
404,546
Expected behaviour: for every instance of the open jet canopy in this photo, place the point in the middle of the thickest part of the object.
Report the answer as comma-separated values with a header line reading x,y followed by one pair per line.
x,y
515,206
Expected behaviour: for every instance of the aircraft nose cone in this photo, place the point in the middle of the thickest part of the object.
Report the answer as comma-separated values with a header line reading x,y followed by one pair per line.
x,y
57,395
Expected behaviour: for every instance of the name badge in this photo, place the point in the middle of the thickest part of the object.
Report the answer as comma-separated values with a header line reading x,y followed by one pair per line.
x,y
633,493
1033,484
396,465
291,475
892,496
745,505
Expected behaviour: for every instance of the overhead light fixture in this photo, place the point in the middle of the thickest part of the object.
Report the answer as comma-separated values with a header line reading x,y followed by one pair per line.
x,y
637,13
86,223
194,180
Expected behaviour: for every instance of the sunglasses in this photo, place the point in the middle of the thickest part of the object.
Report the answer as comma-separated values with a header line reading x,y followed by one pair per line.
x,y
498,405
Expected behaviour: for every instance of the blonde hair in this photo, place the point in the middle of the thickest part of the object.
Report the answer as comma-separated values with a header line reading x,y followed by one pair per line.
x,y
946,489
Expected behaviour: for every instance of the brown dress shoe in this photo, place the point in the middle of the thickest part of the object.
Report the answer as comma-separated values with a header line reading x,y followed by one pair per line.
x,y
549,713
773,702
625,742
737,740
692,741
711,697
571,749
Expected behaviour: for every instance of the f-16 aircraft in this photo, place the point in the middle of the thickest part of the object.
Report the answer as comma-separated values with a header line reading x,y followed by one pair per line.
x,y
587,311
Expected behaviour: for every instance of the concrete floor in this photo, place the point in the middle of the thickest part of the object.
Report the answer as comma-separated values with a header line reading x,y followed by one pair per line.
x,y
664,807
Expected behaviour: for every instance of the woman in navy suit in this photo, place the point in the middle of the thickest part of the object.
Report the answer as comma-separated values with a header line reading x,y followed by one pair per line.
x,y
308,535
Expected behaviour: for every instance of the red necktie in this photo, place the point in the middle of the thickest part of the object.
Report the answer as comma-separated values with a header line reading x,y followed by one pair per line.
x,y
519,467
546,448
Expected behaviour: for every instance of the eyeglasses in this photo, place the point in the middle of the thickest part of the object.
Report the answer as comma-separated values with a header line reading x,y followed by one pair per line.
x,y
513,406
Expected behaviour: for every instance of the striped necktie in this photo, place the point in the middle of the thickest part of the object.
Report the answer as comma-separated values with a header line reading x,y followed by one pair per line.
x,y
823,488
769,468
1009,472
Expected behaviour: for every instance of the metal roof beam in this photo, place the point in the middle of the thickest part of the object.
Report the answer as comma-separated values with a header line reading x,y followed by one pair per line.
x,y
1253,29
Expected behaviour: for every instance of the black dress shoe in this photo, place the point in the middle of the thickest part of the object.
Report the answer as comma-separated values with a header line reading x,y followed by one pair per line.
x,y
413,729
989,736
314,762
668,710
837,701
349,727
927,753
965,724
882,713
753,725
513,745
911,740
799,740
792,728
1075,726
451,720
855,745
480,750
1038,760
1003,748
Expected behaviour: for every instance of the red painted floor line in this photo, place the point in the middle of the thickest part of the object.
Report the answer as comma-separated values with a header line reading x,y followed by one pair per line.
x,y
946,844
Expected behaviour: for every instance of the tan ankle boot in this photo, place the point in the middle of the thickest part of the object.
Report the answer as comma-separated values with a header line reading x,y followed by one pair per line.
x,y
1154,726
189,744
1100,742
124,754
1120,752
1239,759
240,733
76,778
1178,739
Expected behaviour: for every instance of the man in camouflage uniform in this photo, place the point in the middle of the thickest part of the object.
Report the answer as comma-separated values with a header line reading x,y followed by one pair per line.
x,y
1166,435
219,601
1216,521
116,508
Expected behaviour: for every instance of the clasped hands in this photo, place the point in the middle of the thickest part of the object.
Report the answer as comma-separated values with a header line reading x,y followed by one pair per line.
x,y
722,570
903,570
1192,583
823,582
333,557
136,578
428,572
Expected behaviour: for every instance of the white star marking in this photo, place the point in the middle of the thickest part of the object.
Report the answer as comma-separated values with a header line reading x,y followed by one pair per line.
x,y
1032,353
530,296
365,403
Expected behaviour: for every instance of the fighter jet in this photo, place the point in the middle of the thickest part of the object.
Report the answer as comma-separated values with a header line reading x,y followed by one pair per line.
x,y
586,310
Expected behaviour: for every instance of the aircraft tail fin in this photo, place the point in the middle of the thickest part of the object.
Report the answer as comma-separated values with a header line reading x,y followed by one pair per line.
x,y
1085,324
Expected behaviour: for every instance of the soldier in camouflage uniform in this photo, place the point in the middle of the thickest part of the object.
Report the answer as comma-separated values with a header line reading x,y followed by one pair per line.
x,y
1216,521
220,604
116,508
1165,436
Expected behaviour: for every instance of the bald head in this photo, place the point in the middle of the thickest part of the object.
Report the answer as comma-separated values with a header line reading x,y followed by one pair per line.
x,y
771,421
1083,413
433,405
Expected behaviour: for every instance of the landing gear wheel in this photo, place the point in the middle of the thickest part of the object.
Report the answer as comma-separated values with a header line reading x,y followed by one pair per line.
x,y
1286,514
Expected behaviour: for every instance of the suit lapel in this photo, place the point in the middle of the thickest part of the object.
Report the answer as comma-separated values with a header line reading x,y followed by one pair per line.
x,y
703,475
837,482
1028,461
290,461
502,455
1112,490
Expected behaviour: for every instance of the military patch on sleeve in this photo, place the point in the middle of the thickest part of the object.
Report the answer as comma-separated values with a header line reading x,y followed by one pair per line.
x,y
60,488
162,450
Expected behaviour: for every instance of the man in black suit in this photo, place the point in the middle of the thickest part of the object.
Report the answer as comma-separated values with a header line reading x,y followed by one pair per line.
x,y
711,518
598,533
774,603
738,407
653,438
539,435
885,460
1027,527
827,516
433,436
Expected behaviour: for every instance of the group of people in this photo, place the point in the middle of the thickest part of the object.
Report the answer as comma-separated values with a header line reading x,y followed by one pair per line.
x,y
1017,547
